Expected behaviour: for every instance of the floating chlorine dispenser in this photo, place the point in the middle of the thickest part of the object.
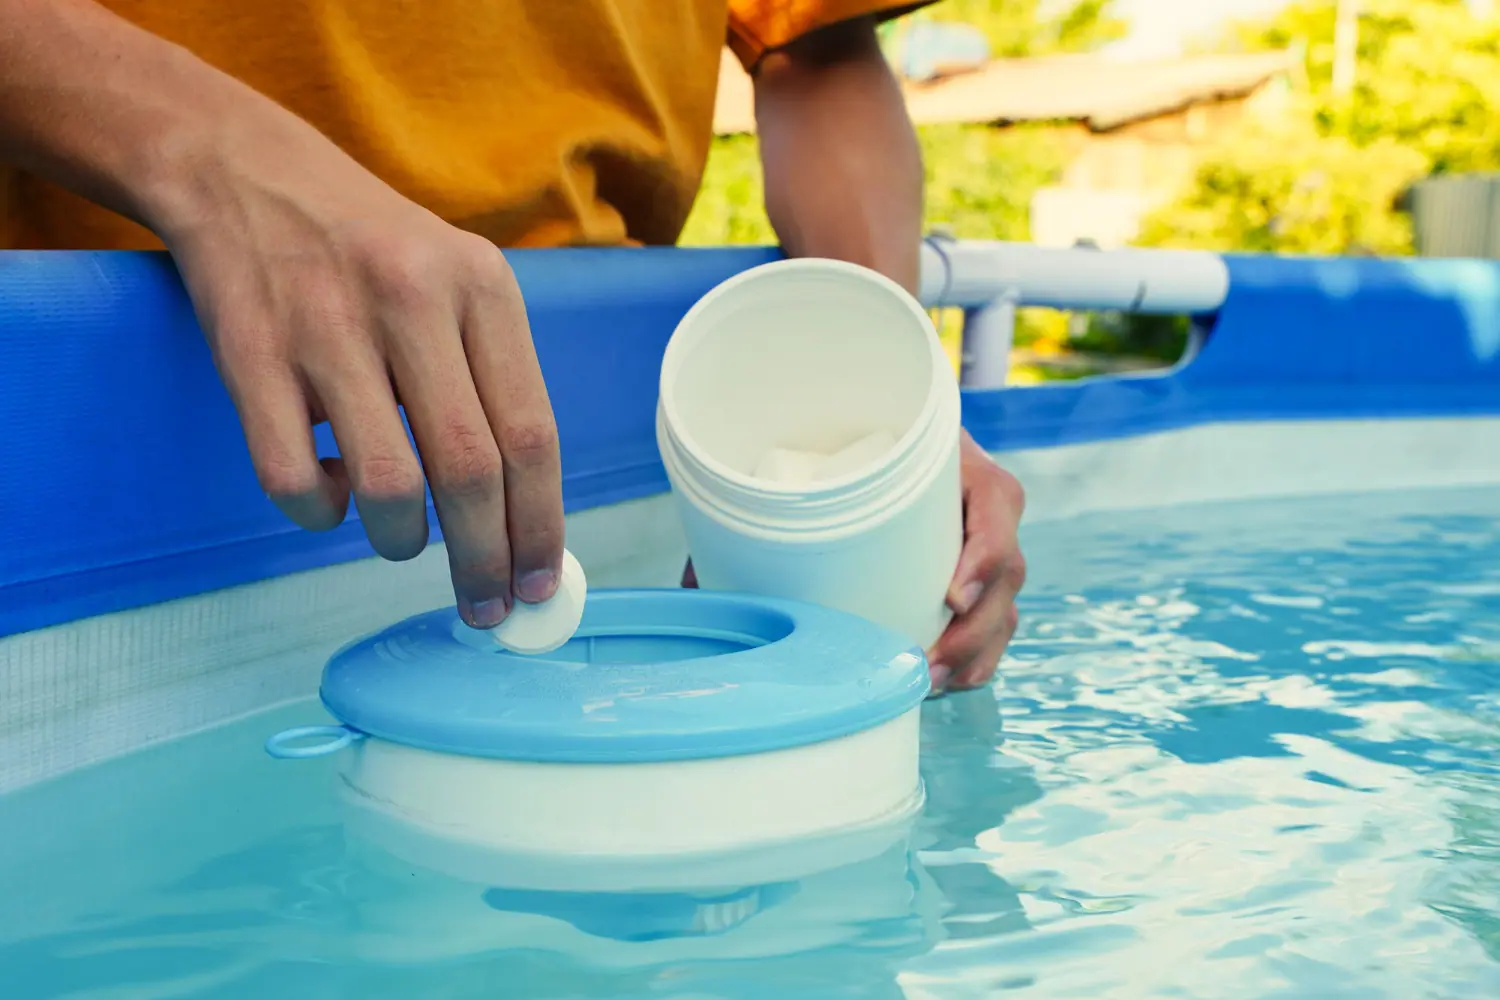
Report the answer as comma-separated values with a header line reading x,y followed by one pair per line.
x,y
671,722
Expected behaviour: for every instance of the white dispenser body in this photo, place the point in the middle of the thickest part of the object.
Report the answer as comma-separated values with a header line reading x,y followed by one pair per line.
x,y
644,809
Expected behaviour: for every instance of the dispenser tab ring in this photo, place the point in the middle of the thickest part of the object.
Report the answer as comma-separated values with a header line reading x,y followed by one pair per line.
x,y
291,744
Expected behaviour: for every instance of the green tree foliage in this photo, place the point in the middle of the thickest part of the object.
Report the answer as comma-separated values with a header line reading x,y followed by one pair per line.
x,y
979,179
1325,177
1428,76
1287,188
1024,27
729,209
979,184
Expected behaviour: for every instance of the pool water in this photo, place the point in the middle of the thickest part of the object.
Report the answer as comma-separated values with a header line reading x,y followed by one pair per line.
x,y
1237,750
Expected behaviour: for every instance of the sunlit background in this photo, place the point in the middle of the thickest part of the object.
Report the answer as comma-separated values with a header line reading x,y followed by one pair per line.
x,y
1318,126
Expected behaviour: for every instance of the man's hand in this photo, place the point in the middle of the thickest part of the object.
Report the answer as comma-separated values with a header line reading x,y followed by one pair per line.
x,y
324,293
326,296
990,573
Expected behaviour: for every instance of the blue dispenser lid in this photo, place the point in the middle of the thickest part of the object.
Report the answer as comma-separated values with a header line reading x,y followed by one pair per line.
x,y
651,675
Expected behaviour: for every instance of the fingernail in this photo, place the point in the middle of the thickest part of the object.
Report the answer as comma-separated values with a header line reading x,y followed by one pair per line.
x,y
940,675
484,614
969,596
536,586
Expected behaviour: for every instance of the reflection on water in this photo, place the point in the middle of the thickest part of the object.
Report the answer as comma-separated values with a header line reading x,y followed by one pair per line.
x,y
1237,751
1266,742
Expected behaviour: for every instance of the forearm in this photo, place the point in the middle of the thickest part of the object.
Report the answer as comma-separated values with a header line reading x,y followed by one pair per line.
x,y
115,113
843,171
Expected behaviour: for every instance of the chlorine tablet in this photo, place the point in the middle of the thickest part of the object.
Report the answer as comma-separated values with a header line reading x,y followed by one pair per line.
x,y
542,628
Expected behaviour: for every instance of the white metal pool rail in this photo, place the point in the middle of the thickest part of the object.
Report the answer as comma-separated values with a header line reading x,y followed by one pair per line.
x,y
989,280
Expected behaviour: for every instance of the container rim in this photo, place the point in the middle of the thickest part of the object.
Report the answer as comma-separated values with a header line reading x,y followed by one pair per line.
x,y
672,360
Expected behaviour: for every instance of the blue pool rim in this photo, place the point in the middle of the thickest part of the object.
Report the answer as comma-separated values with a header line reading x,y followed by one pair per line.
x,y
798,674
137,486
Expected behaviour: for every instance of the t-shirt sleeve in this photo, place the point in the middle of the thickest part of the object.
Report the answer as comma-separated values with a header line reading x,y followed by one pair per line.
x,y
758,26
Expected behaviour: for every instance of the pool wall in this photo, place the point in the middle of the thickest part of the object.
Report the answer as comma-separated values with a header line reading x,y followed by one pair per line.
x,y
118,627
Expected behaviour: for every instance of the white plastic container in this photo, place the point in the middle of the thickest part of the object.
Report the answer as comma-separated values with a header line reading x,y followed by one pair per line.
x,y
773,370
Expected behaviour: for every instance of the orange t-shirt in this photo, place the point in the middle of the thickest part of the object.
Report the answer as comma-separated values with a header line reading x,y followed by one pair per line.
x,y
530,122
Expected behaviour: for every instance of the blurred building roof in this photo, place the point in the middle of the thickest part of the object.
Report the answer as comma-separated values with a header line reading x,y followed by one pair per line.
x,y
1101,92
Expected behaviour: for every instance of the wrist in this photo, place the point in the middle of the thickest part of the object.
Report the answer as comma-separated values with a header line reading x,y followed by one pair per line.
x,y
193,154
183,174
169,180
